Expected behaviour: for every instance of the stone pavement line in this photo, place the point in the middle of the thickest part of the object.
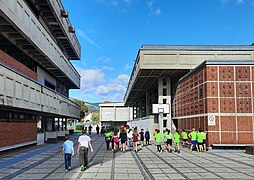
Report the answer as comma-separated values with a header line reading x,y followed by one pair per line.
x,y
252,166
223,164
29,167
91,159
199,166
62,164
144,170
179,172
113,167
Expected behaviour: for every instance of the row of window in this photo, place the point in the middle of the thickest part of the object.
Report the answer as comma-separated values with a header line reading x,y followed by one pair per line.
x,y
5,114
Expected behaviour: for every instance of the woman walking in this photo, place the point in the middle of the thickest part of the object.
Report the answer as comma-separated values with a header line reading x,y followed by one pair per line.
x,y
135,139
158,141
123,137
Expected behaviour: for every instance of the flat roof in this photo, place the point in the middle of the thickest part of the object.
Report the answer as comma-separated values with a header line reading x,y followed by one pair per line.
x,y
198,47
112,104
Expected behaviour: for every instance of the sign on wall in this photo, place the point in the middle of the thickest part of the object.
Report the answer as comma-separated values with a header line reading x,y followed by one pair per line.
x,y
211,121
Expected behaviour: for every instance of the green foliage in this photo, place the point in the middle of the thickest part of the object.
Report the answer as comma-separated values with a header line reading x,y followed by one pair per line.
x,y
95,118
79,127
83,107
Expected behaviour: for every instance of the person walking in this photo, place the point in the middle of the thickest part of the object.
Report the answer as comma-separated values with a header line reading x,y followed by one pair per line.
x,y
169,142
185,138
108,137
135,139
84,142
158,141
68,152
204,139
200,140
147,136
193,136
123,137
115,140
177,141
90,129
164,138
97,129
129,139
142,137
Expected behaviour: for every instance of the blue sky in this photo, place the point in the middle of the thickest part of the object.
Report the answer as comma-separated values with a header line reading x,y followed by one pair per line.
x,y
111,32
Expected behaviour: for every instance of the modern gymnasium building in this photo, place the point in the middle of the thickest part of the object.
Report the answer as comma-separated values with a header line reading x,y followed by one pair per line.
x,y
206,86
37,42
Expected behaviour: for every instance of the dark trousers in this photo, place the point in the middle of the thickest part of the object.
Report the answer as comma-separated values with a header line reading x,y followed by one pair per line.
x,y
107,143
147,141
83,156
67,160
159,148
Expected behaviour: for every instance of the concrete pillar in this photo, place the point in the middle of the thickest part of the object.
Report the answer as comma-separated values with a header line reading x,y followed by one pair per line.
x,y
164,97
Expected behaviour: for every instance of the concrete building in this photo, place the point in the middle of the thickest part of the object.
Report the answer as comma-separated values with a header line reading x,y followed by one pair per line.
x,y
115,114
37,43
156,74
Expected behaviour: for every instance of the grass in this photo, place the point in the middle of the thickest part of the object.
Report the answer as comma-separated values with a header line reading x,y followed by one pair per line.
x,y
77,131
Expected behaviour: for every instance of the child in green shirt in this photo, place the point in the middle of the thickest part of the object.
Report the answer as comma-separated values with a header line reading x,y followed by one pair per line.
x,y
158,141
177,141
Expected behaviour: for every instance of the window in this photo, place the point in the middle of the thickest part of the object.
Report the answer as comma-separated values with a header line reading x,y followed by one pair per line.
x,y
49,85
164,123
164,101
164,91
164,82
201,91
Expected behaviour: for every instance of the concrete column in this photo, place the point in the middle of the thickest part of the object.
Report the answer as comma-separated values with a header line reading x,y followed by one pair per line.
x,y
164,97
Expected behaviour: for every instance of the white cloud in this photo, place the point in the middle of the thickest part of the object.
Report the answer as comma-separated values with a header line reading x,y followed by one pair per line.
x,y
108,68
82,34
115,89
94,85
115,2
90,78
238,2
104,59
152,9
127,66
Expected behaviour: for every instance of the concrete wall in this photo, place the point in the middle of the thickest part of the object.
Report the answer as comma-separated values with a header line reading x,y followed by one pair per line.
x,y
227,96
22,17
18,91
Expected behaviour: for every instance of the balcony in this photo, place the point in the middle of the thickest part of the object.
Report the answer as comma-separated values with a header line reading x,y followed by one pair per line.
x,y
22,28
59,24
20,92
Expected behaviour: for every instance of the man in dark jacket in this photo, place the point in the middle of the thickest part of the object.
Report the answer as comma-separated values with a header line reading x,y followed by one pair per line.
x,y
147,136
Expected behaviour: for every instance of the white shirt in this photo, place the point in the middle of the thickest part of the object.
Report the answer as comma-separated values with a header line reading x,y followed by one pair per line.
x,y
83,140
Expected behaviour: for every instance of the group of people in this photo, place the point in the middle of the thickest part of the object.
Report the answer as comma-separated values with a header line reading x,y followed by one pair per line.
x,y
131,137
84,143
198,140
126,138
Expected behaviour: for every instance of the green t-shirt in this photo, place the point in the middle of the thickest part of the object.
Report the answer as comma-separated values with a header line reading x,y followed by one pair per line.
x,y
169,136
158,137
204,135
107,134
200,137
177,138
110,133
193,135
184,135
165,134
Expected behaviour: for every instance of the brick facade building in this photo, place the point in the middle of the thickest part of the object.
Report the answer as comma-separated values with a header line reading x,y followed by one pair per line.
x,y
220,91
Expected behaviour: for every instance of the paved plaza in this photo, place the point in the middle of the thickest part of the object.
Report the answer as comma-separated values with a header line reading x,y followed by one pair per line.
x,y
46,162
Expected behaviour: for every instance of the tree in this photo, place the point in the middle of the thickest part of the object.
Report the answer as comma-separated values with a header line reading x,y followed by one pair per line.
x,y
95,118
83,107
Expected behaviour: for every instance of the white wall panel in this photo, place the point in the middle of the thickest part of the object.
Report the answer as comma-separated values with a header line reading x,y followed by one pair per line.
x,y
18,90
25,92
9,87
1,84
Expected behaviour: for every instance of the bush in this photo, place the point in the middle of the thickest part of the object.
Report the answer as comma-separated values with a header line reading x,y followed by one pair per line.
x,y
79,127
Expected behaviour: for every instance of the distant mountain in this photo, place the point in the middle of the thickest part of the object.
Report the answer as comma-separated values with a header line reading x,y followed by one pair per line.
x,y
93,107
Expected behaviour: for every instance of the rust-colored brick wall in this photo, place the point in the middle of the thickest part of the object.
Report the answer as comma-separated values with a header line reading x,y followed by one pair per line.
x,y
17,132
228,93
13,63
